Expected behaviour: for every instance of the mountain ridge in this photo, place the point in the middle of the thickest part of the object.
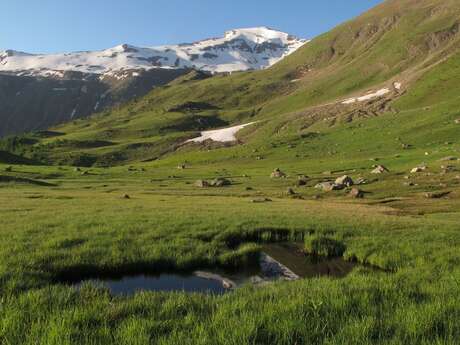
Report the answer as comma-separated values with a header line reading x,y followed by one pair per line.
x,y
239,50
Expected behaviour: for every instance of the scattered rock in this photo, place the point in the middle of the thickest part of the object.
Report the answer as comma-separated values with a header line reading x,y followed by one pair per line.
x,y
448,168
436,195
361,181
379,169
448,159
357,193
329,186
249,189
84,173
302,180
9,169
409,184
457,121
277,173
418,169
260,200
181,166
201,184
220,182
290,191
77,169
126,196
406,146
345,181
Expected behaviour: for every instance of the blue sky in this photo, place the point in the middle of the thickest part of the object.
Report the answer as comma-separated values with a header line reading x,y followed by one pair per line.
x,y
68,25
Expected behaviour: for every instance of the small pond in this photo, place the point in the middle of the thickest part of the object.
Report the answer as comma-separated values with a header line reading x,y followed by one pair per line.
x,y
283,261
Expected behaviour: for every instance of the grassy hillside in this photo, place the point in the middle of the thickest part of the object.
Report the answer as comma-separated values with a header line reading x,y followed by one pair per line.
x,y
397,41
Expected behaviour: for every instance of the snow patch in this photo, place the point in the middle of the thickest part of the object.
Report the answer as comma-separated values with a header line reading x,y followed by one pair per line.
x,y
220,135
367,97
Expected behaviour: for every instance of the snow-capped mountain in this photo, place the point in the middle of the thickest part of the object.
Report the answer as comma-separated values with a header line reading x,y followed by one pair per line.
x,y
238,50
39,91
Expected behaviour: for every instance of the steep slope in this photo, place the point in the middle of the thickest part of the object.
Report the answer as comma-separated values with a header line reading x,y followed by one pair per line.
x,y
386,52
38,91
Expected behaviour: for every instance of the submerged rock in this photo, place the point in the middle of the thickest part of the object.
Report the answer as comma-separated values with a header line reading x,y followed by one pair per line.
x,y
226,283
273,269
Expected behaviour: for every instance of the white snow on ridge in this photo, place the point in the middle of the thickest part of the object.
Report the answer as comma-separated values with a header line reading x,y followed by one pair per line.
x,y
238,50
221,135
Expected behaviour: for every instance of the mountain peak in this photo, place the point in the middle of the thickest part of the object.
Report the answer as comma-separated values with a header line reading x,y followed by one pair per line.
x,y
239,50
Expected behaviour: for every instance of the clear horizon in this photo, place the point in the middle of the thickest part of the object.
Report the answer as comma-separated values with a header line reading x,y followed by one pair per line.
x,y
52,26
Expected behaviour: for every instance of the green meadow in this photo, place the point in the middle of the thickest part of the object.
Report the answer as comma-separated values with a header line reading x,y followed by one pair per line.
x,y
116,193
